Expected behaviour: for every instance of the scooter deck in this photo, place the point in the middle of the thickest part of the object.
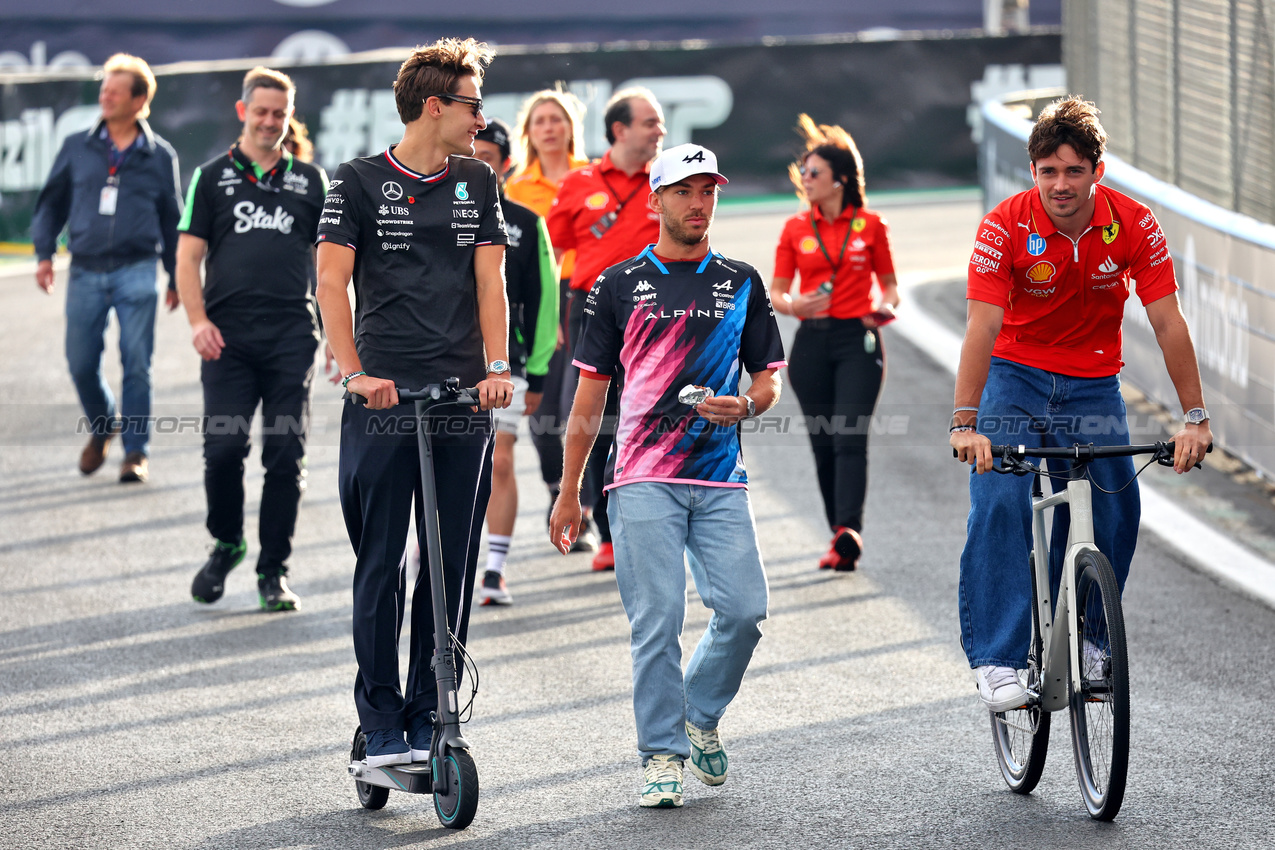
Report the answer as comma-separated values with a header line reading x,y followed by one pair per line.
x,y
414,778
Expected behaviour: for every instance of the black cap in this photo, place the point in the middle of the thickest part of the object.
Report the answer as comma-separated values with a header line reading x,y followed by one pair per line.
x,y
497,132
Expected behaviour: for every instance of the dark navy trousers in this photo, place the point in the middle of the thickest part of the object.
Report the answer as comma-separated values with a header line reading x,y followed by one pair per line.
x,y
379,479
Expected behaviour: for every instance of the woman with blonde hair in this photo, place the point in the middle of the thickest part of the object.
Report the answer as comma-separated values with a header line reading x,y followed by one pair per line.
x,y
550,145
840,251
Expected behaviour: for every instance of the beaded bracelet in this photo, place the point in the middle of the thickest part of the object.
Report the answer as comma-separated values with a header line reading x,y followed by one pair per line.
x,y
346,380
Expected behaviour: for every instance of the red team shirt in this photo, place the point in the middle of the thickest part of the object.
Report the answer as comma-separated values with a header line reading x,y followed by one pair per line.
x,y
867,251
1063,300
586,195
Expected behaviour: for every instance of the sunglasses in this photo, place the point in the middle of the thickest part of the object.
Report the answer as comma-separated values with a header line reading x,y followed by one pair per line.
x,y
812,172
476,102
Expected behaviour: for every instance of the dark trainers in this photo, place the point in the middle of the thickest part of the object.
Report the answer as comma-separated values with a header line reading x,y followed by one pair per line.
x,y
385,747
210,582
493,591
419,736
274,593
587,539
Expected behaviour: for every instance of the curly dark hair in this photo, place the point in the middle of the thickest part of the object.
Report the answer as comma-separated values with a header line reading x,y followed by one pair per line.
x,y
837,147
435,69
1068,121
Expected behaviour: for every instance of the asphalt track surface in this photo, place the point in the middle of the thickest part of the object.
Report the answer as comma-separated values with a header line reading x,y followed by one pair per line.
x,y
134,717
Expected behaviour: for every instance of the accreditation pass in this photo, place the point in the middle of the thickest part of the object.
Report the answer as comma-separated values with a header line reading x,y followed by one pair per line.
x,y
110,194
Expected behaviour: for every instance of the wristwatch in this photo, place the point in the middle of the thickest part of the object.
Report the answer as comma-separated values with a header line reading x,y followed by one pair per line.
x,y
497,367
752,407
1196,415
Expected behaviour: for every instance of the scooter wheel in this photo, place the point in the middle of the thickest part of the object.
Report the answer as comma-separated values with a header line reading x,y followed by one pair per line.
x,y
370,796
457,806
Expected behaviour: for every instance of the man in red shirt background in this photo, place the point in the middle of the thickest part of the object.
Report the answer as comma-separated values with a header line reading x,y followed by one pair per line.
x,y
1040,365
601,212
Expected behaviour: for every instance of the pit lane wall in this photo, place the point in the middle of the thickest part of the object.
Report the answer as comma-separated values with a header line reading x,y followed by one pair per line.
x,y
903,96
1225,265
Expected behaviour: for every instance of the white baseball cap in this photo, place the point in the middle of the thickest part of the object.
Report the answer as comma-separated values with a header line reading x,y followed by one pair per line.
x,y
683,161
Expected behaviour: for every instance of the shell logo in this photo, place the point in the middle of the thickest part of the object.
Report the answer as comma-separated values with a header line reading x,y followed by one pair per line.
x,y
1042,272
596,201
809,245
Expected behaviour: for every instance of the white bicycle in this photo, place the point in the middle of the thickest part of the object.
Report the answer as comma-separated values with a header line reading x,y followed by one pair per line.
x,y
1078,658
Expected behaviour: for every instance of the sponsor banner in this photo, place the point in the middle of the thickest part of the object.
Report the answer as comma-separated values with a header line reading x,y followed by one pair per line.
x,y
905,102
1225,267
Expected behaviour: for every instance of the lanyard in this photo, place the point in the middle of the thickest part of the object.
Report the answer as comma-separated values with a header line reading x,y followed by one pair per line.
x,y
266,182
824,249
115,157
619,204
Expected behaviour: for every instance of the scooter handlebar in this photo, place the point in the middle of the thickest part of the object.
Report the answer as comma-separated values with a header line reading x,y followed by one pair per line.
x,y
449,392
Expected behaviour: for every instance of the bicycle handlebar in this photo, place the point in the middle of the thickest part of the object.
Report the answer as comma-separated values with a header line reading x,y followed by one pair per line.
x,y
1162,451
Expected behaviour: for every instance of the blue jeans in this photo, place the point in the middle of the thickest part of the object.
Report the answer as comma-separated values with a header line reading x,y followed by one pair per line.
x,y
1021,404
90,296
653,524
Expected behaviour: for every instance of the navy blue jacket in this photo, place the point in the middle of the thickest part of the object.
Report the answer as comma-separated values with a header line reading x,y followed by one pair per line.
x,y
146,213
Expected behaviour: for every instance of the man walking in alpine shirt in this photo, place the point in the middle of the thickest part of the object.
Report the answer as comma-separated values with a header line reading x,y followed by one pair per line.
x,y
253,212
600,211
117,188
673,326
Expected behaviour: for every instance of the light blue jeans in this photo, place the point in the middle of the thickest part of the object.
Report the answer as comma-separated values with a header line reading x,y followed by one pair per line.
x,y
1025,405
652,526
90,297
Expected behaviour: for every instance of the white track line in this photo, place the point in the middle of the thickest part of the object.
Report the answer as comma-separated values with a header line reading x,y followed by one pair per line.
x,y
1204,546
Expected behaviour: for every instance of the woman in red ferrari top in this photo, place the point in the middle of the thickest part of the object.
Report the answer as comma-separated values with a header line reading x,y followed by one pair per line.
x,y
839,251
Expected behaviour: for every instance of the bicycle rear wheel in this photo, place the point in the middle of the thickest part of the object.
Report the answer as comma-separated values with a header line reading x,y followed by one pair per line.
x,y
1100,705
1020,737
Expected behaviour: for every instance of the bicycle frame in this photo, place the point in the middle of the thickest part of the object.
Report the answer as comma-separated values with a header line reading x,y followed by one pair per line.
x,y
1057,650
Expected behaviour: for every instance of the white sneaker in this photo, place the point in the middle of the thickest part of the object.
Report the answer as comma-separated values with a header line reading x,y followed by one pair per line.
x,y
999,688
662,782
1093,661
708,759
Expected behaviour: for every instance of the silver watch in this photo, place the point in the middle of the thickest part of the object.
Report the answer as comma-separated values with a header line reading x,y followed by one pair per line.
x,y
752,406
1196,415
497,367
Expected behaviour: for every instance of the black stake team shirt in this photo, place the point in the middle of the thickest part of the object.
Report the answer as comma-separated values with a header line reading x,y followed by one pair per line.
x,y
260,229
414,235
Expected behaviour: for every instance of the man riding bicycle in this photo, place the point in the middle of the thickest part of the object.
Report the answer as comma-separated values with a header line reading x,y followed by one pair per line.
x,y
1051,270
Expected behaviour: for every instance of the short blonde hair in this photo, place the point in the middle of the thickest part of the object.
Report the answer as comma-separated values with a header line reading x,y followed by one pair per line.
x,y
571,107
143,78
262,77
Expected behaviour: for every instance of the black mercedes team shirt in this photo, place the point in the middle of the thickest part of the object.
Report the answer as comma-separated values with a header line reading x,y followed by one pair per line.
x,y
413,236
260,228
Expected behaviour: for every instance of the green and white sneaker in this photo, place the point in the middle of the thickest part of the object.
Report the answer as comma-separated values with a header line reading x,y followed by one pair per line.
x,y
663,783
708,759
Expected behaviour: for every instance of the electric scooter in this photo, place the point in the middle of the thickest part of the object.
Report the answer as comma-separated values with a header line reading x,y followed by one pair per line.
x,y
450,775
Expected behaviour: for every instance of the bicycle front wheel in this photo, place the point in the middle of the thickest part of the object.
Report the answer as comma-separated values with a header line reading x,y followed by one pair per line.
x,y
1020,737
1100,704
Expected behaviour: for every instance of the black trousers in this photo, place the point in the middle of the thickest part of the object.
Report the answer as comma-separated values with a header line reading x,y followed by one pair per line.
x,y
546,424
591,493
836,369
379,476
277,373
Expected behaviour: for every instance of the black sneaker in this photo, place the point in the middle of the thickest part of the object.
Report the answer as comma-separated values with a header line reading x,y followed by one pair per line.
x,y
275,595
210,581
587,539
493,591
